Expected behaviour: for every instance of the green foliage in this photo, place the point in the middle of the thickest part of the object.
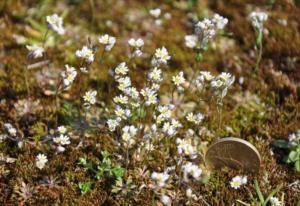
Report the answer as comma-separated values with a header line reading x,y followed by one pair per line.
x,y
85,187
125,188
293,156
264,200
105,169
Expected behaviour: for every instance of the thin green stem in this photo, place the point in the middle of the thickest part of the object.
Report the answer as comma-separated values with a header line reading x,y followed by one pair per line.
x,y
259,56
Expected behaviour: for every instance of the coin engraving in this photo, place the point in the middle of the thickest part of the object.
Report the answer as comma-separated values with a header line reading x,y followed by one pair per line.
x,y
234,153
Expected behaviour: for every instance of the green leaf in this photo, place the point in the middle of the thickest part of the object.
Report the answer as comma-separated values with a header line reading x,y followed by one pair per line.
x,y
259,38
297,165
85,187
281,143
118,171
199,57
260,196
293,156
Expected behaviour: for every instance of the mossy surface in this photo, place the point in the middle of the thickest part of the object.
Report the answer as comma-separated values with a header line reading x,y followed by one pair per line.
x,y
265,107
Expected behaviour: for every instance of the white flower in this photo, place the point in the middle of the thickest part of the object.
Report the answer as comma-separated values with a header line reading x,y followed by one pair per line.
x,y
121,99
85,53
207,76
107,40
191,41
129,132
219,21
68,75
185,146
124,83
179,79
189,193
55,22
122,113
206,30
258,19
62,140
155,12
136,43
35,51
155,75
193,170
162,55
132,92
166,200
197,119
160,178
10,129
112,124
294,138
150,96
238,181
276,202
90,97
121,69
62,129
41,160
169,129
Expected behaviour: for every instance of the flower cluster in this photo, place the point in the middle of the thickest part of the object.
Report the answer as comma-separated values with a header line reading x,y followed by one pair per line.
x,y
258,19
294,138
161,56
128,134
35,51
205,30
108,41
238,181
68,76
156,14
137,45
191,170
61,139
160,178
89,98
86,53
55,22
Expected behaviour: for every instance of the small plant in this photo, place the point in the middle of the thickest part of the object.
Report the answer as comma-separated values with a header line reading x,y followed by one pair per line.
x,y
293,146
105,168
257,20
85,187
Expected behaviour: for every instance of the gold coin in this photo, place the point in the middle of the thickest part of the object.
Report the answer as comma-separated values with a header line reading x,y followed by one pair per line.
x,y
233,153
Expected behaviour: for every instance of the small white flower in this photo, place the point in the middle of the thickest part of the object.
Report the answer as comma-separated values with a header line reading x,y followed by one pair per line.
x,y
85,53
160,178
90,97
129,132
150,96
155,75
258,19
155,12
41,161
166,200
179,79
121,99
197,119
185,147
193,170
124,83
136,43
191,41
55,22
219,21
62,140
238,181
68,75
112,124
107,40
62,129
10,129
162,55
276,202
35,51
121,69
